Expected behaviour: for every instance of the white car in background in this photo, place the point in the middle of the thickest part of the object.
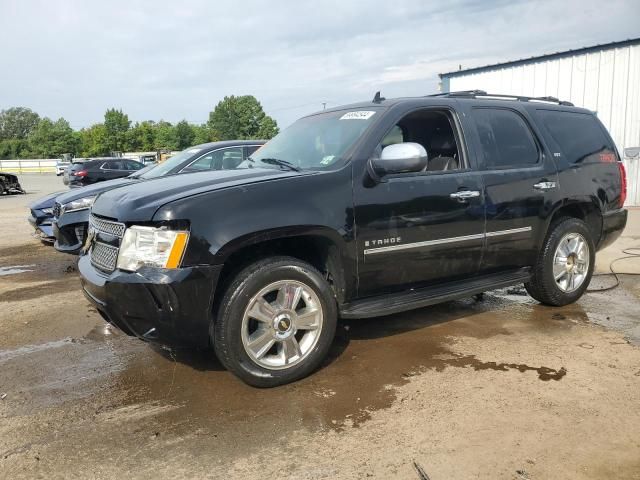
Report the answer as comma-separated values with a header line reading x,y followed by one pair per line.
x,y
61,167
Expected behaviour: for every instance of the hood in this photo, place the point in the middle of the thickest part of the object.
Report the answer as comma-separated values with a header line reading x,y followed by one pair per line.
x,y
139,202
94,189
46,201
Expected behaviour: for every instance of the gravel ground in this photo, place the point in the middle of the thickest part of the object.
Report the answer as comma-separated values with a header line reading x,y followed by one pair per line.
x,y
495,388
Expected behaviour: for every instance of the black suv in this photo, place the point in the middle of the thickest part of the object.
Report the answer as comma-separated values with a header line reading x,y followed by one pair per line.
x,y
99,170
358,211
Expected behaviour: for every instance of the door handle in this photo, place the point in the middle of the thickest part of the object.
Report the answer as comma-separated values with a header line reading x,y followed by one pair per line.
x,y
465,194
544,185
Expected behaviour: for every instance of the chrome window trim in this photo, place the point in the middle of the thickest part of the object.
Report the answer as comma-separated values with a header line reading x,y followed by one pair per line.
x,y
440,241
110,169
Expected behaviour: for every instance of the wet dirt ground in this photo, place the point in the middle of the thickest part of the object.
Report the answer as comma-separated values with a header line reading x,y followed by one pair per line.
x,y
493,387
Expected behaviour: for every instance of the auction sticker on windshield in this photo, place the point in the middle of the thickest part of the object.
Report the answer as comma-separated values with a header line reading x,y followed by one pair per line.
x,y
359,115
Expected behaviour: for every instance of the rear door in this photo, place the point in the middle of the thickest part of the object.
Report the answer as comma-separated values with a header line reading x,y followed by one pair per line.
x,y
520,180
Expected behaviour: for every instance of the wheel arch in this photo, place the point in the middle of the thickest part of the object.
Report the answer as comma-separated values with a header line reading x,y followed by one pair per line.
x,y
320,246
588,210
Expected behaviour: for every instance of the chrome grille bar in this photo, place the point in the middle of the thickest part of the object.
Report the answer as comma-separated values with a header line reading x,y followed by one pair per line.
x,y
114,229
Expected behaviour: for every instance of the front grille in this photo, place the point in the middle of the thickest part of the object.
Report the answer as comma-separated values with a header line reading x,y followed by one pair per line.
x,y
57,210
104,256
114,229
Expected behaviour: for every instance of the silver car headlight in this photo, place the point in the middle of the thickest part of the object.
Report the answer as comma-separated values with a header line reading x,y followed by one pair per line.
x,y
150,246
79,204
48,211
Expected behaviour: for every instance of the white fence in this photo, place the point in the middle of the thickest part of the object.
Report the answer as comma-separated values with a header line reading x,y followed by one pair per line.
x,y
47,165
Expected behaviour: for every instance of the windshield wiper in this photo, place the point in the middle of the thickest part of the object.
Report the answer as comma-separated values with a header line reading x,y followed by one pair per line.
x,y
279,162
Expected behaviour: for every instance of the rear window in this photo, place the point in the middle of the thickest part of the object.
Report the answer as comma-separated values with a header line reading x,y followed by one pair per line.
x,y
505,138
579,135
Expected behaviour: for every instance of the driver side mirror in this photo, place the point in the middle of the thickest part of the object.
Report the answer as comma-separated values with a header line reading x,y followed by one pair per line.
x,y
398,158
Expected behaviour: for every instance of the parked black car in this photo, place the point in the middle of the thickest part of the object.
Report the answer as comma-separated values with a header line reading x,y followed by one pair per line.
x,y
100,170
9,184
71,210
76,165
358,211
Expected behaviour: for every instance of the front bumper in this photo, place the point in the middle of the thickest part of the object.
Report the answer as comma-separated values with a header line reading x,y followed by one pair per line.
x,y
169,307
43,228
613,224
70,231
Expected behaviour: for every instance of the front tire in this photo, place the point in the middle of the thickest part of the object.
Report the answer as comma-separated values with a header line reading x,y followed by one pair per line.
x,y
276,322
565,264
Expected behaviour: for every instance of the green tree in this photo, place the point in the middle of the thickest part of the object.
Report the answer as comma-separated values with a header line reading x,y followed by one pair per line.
x,y
184,135
142,136
51,139
268,128
13,148
241,118
94,141
117,126
17,123
201,134
165,136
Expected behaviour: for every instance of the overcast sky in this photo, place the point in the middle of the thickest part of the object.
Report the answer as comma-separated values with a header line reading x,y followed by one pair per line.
x,y
168,59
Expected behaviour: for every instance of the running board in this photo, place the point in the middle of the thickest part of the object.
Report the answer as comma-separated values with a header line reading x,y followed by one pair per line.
x,y
402,301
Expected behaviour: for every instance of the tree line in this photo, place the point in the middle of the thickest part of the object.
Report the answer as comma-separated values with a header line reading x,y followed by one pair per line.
x,y
24,134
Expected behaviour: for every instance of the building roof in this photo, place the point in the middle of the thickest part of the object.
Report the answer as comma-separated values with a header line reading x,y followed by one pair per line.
x,y
549,56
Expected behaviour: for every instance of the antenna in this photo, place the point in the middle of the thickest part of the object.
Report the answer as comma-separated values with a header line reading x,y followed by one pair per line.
x,y
377,98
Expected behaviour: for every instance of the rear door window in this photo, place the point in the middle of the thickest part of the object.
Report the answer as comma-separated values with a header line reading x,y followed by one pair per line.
x,y
506,139
112,165
579,136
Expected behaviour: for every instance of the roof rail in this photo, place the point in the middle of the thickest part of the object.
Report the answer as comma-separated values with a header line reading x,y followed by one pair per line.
x,y
499,96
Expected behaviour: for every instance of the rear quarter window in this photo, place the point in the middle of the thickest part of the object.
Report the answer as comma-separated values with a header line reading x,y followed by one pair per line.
x,y
580,136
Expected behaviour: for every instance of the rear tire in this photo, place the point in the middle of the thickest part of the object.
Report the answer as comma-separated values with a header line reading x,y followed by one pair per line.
x,y
275,323
565,264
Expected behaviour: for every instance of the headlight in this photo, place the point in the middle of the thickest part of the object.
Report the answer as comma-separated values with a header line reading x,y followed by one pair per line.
x,y
80,204
151,246
48,211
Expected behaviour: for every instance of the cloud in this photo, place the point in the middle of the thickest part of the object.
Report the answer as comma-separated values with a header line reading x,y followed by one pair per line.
x,y
174,60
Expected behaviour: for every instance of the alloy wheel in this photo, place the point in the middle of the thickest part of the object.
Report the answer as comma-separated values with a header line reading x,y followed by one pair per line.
x,y
571,262
282,324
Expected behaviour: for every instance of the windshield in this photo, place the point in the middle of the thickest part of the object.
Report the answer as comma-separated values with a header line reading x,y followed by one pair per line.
x,y
314,143
143,171
168,165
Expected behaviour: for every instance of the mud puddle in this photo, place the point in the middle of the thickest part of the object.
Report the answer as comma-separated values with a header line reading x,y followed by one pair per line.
x,y
132,393
13,269
368,359
34,271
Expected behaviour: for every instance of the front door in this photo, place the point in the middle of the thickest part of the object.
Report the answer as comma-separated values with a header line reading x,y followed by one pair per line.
x,y
417,229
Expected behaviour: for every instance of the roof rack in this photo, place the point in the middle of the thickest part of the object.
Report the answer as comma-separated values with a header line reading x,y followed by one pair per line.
x,y
498,96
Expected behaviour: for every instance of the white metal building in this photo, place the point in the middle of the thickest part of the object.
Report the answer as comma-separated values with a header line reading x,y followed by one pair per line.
x,y
603,78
